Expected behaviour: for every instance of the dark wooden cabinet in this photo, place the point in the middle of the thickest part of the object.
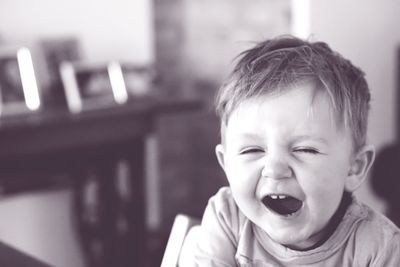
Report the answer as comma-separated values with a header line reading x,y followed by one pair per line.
x,y
54,142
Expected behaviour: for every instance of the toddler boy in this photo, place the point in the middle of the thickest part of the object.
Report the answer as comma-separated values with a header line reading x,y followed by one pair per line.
x,y
293,147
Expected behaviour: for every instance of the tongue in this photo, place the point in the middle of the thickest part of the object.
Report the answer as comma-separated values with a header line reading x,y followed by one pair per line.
x,y
284,206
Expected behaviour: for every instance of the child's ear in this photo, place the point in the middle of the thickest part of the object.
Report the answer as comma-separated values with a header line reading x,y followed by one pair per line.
x,y
219,151
361,164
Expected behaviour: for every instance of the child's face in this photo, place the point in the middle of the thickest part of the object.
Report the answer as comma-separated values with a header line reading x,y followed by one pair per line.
x,y
288,164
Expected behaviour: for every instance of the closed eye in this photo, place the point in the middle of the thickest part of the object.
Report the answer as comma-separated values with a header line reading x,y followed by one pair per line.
x,y
252,150
307,150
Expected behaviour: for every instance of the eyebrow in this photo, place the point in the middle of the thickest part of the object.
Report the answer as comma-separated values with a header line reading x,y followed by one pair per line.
x,y
298,138
309,137
248,135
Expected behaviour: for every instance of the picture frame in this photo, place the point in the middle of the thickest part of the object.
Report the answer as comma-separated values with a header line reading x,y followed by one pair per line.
x,y
138,79
19,91
56,50
92,86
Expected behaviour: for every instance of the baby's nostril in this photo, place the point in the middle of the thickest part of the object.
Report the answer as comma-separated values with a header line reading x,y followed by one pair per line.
x,y
282,204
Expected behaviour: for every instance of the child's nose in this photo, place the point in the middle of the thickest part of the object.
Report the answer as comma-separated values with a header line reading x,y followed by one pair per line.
x,y
276,168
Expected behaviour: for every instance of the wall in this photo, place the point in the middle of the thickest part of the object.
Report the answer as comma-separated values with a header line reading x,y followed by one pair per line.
x,y
366,32
39,223
107,30
125,26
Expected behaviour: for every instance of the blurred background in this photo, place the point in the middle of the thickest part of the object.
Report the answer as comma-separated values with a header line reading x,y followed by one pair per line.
x,y
189,44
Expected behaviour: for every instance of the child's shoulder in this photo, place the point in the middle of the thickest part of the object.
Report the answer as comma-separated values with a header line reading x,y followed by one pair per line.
x,y
376,225
223,206
223,201
377,237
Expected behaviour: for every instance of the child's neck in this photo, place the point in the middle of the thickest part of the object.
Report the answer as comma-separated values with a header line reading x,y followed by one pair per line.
x,y
335,220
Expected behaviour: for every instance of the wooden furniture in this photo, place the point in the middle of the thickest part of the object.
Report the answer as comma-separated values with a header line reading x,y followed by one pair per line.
x,y
182,240
55,142
10,256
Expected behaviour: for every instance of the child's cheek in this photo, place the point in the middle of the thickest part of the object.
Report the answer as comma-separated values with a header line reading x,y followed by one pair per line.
x,y
243,177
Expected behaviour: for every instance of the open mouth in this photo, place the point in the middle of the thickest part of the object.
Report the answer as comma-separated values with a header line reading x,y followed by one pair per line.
x,y
282,204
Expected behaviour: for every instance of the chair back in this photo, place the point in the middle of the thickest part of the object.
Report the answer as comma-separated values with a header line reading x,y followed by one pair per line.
x,y
181,241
